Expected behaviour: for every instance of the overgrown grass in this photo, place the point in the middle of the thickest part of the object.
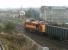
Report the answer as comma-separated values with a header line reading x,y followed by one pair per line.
x,y
17,42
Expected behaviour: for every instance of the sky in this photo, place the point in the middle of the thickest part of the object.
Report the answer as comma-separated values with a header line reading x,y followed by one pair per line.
x,y
31,3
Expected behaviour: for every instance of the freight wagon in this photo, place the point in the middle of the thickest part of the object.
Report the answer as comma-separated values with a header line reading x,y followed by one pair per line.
x,y
57,32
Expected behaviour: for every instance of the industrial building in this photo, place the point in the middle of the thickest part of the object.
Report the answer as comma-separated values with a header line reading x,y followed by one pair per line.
x,y
57,14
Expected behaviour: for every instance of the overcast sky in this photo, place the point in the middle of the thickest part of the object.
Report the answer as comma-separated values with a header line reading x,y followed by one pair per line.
x,y
31,3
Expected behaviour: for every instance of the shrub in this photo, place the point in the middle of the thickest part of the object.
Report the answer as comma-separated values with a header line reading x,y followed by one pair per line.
x,y
10,27
1,27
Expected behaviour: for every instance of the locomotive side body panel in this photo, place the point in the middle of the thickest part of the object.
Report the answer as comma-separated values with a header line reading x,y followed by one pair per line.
x,y
42,28
30,26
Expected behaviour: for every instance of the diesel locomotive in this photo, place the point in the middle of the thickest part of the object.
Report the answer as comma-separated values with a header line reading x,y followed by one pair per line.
x,y
35,25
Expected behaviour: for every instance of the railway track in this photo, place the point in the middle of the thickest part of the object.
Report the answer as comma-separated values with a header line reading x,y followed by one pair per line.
x,y
45,41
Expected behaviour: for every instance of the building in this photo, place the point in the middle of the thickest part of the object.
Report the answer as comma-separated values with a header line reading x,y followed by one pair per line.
x,y
58,14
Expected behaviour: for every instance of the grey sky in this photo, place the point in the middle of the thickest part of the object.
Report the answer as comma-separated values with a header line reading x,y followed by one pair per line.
x,y
31,3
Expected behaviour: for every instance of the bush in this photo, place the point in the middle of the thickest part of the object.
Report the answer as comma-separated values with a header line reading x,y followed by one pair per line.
x,y
10,27
1,27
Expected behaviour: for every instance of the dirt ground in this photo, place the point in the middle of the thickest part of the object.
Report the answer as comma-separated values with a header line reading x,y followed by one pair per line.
x,y
17,42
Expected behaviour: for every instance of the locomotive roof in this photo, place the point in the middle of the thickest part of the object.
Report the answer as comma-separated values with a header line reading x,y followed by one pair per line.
x,y
35,22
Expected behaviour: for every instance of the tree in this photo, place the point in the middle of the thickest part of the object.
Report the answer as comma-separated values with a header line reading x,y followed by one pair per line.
x,y
32,13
